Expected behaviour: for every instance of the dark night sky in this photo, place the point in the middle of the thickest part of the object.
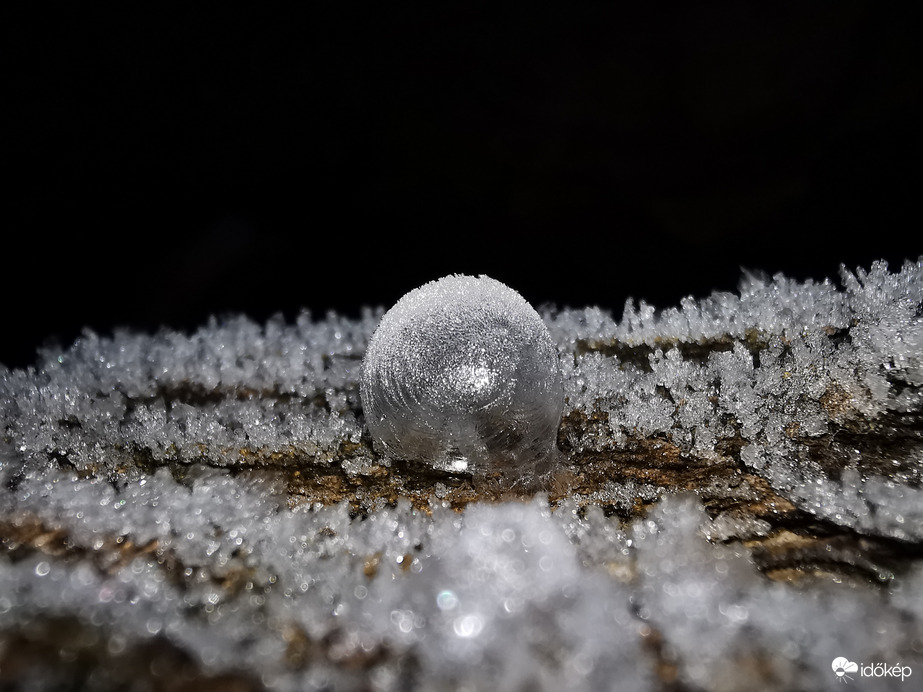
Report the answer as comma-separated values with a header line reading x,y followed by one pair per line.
x,y
167,167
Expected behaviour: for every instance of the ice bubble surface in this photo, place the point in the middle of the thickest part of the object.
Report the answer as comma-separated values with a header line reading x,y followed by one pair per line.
x,y
735,501
462,373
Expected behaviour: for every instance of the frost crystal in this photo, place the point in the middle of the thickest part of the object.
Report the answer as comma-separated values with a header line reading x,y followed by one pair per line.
x,y
462,373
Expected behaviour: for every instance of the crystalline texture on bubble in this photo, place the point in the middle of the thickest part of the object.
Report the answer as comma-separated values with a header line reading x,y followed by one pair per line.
x,y
462,373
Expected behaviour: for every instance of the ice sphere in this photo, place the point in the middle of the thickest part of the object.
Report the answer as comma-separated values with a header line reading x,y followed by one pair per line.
x,y
462,374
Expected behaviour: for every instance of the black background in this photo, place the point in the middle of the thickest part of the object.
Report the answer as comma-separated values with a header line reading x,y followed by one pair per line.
x,y
162,167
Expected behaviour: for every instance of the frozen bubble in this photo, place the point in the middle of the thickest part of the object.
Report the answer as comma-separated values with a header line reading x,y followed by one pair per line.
x,y
462,374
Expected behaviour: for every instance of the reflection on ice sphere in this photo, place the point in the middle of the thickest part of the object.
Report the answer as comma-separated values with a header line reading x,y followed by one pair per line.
x,y
462,374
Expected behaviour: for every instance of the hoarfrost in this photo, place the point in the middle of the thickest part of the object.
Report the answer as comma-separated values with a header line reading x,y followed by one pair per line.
x,y
738,503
